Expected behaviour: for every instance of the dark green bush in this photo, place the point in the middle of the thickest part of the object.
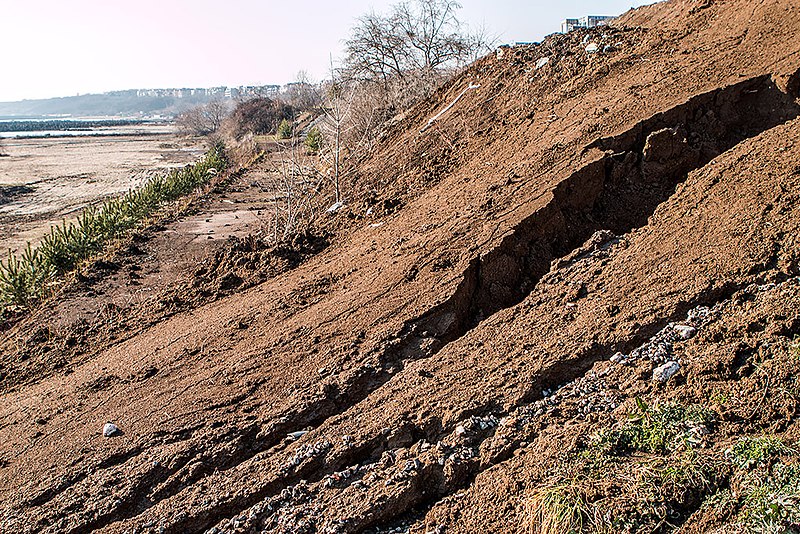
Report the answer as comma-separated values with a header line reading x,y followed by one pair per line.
x,y
314,140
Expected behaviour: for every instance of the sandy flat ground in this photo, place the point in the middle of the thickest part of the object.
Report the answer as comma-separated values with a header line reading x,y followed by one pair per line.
x,y
43,181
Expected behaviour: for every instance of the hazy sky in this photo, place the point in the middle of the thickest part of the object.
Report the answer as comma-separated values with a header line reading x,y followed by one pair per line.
x,y
65,47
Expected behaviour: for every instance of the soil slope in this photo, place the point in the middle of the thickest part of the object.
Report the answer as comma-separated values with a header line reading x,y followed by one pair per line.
x,y
449,356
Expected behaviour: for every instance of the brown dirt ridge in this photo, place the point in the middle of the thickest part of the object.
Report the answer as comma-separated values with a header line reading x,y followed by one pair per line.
x,y
571,304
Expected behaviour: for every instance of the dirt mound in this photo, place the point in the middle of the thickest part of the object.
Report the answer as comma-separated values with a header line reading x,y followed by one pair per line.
x,y
570,303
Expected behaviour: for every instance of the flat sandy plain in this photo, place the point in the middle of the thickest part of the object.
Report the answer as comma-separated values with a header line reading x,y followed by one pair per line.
x,y
46,180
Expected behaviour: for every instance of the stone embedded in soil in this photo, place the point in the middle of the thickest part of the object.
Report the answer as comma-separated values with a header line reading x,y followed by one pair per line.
x,y
684,331
619,358
110,429
662,373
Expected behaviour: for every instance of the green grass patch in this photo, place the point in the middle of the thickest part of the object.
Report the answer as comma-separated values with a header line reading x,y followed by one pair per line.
x,y
751,452
656,429
771,501
32,275
557,510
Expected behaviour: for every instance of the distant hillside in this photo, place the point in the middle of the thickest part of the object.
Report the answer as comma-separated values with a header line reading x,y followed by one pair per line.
x,y
133,102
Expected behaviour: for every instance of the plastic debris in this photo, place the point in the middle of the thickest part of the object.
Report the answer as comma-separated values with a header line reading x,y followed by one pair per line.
x,y
335,207
296,435
446,109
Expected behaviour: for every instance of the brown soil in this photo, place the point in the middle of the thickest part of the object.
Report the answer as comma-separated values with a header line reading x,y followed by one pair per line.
x,y
448,352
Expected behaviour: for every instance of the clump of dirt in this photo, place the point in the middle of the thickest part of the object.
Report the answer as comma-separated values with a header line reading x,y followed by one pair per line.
x,y
244,262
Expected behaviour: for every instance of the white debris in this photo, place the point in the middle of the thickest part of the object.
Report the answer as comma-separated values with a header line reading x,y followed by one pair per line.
x,y
335,207
684,331
447,108
662,373
110,429
592,48
542,62
296,435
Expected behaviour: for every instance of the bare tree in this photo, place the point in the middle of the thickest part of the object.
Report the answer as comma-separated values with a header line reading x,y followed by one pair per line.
x,y
215,112
294,183
302,93
204,119
258,116
414,45
338,104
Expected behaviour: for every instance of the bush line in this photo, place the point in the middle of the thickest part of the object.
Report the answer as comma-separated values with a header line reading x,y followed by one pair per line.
x,y
32,275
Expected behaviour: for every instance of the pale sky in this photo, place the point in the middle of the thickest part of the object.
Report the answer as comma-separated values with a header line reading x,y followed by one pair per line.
x,y
65,47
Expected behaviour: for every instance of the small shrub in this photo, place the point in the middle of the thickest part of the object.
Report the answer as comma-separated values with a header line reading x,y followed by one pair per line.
x,y
718,397
285,129
656,429
751,452
772,500
314,140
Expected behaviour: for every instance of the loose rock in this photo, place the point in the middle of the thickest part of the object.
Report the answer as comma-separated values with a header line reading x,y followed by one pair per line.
x,y
662,373
110,429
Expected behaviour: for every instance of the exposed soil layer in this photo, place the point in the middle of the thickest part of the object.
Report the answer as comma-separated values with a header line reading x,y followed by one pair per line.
x,y
503,288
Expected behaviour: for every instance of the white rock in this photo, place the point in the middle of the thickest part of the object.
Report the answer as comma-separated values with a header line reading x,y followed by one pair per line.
x,y
662,373
592,48
619,358
684,331
109,429
296,435
542,62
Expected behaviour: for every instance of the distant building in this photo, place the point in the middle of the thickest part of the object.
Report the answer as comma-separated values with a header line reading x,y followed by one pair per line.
x,y
589,21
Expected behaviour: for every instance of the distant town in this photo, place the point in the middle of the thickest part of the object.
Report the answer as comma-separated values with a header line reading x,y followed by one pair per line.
x,y
243,91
